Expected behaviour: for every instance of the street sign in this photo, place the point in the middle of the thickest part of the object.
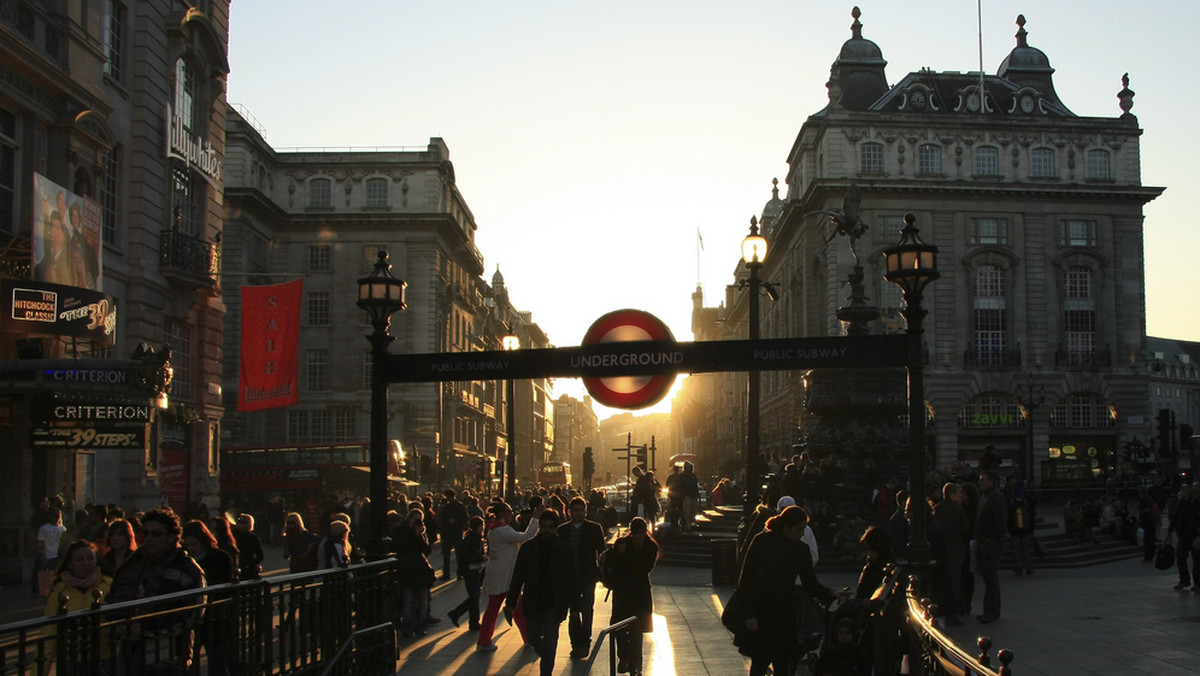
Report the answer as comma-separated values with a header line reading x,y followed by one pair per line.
x,y
630,391
652,357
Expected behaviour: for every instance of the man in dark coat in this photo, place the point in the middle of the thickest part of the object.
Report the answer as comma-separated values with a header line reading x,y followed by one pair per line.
x,y
991,529
452,521
956,534
630,562
586,539
1185,521
545,573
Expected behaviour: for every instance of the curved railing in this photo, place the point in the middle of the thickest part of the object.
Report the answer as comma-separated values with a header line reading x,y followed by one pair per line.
x,y
939,655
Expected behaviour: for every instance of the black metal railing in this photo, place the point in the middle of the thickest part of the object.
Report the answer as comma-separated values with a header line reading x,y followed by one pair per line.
x,y
1067,358
289,624
993,358
940,656
190,255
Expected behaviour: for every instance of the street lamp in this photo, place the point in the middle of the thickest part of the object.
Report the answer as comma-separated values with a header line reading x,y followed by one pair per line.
x,y
381,295
510,343
1031,397
754,251
912,265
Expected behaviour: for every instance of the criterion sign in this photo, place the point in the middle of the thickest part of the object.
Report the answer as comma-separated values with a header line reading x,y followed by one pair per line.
x,y
630,392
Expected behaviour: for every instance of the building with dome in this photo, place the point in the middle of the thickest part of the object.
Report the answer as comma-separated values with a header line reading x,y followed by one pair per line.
x,y
1035,342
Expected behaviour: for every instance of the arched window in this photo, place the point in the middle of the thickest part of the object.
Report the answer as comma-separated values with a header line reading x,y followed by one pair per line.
x,y
1099,164
870,158
320,193
929,159
185,94
1042,165
1083,410
989,317
987,161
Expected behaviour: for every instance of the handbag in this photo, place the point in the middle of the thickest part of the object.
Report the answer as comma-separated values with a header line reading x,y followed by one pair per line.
x,y
1165,558
733,616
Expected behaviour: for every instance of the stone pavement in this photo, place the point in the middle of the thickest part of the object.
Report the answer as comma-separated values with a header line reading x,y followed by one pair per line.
x,y
1115,618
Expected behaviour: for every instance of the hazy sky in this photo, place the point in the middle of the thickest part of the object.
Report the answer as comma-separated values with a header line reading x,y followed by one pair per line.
x,y
593,139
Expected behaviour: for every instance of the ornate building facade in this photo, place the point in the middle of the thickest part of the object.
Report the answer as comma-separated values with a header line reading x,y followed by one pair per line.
x,y
1036,341
119,106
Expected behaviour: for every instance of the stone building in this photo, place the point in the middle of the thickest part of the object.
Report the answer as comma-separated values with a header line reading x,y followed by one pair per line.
x,y
117,110
322,217
1035,342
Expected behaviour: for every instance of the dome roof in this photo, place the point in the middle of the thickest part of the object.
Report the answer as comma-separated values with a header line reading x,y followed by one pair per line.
x,y
858,49
497,279
1023,57
771,210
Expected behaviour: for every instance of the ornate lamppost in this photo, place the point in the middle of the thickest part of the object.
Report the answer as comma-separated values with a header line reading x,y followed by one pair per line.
x,y
754,252
510,343
912,265
381,295
1031,397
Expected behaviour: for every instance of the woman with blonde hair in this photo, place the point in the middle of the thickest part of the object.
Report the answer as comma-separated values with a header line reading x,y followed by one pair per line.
x,y
336,550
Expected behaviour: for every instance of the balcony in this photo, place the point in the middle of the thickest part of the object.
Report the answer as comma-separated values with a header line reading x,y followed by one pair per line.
x,y
189,260
1082,359
988,358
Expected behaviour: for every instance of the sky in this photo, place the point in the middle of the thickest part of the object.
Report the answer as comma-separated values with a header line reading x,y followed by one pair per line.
x,y
596,142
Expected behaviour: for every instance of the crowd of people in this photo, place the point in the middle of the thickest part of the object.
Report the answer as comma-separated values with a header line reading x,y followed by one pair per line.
x,y
538,558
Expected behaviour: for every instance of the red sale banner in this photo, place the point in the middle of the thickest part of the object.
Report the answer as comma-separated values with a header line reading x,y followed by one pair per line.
x,y
268,371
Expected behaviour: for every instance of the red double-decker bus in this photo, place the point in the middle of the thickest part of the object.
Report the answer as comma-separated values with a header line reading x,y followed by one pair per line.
x,y
302,474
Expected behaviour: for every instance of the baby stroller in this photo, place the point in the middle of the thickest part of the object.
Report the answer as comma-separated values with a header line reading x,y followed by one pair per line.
x,y
839,650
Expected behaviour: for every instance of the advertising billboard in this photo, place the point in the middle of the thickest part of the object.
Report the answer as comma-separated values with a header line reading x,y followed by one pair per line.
x,y
66,237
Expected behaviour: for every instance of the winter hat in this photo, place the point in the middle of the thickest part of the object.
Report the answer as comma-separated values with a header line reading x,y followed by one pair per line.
x,y
785,502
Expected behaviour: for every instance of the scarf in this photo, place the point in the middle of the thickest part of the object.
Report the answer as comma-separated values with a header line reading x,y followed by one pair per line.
x,y
81,583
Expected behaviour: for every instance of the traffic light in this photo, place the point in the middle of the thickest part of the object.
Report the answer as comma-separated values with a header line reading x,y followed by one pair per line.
x,y
483,467
589,464
1164,431
1185,437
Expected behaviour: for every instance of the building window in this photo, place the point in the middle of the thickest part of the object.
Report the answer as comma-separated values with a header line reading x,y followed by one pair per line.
x,y
319,257
257,253
929,159
1078,233
320,427
345,425
318,308
178,334
870,158
185,95
114,38
1043,163
989,231
1099,164
320,193
297,426
989,307
377,192
1080,307
186,197
8,171
317,370
108,197
1083,411
987,161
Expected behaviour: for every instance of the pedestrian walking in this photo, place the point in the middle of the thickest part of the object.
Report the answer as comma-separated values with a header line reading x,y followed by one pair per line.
x,y
764,624
503,541
956,534
1020,535
543,579
1185,522
991,529
586,540
630,561
415,573
452,521
472,559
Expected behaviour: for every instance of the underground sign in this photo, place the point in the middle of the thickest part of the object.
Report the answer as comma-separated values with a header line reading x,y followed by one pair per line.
x,y
630,392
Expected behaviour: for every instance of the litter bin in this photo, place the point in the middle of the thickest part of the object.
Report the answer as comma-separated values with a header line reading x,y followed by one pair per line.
x,y
724,561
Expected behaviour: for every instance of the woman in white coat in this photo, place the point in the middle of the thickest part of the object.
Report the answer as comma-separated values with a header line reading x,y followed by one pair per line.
x,y
503,541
